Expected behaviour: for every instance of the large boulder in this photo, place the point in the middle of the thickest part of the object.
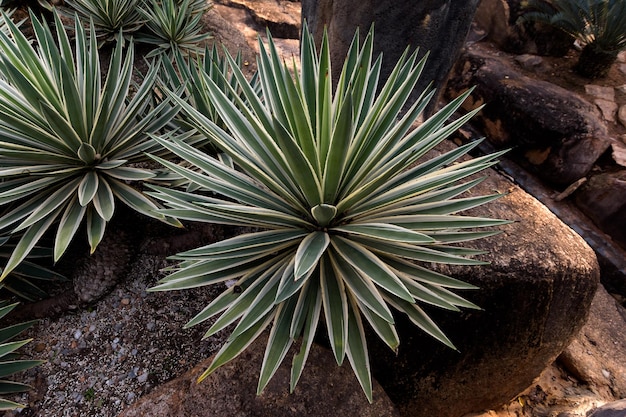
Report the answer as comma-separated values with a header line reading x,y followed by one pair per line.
x,y
324,390
535,296
554,132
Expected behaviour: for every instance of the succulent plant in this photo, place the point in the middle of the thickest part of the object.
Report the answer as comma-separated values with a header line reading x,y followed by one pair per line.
x,y
68,140
174,26
113,20
348,214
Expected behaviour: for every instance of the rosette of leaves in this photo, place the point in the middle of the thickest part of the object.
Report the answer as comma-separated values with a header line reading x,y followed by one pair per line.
x,y
348,215
174,26
113,20
68,139
9,358
599,25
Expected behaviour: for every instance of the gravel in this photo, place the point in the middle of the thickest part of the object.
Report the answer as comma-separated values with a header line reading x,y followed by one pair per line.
x,y
103,358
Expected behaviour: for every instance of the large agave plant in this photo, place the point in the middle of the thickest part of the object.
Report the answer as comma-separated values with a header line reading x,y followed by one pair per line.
x,y
67,139
174,26
9,362
600,25
348,216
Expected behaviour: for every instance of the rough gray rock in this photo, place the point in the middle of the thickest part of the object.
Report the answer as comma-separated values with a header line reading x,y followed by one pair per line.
x,y
535,295
324,390
556,133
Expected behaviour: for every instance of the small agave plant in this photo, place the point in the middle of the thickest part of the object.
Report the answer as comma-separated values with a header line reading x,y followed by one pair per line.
x,y
348,216
113,20
68,140
174,26
9,362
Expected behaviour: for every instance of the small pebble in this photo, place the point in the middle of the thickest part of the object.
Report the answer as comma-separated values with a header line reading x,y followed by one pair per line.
x,y
125,301
77,334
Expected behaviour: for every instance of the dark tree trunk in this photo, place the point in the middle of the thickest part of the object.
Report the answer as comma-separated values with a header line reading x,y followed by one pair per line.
x,y
440,26
594,62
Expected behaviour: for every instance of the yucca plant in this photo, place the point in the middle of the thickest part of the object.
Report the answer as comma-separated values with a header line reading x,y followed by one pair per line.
x,y
113,20
348,218
599,25
174,25
9,362
68,140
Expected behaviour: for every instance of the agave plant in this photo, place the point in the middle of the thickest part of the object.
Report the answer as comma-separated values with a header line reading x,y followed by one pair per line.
x,y
113,20
67,139
348,218
174,25
600,25
9,362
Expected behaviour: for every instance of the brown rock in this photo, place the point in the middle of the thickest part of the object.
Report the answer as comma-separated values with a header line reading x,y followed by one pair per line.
x,y
535,295
324,390
608,108
282,18
597,355
598,91
555,133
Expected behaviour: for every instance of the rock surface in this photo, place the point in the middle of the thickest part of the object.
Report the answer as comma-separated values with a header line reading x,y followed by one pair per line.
x,y
535,296
597,355
324,390
603,200
614,409
281,18
555,131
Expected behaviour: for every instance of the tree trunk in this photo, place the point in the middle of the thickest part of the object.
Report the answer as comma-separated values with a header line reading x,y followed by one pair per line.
x,y
435,25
